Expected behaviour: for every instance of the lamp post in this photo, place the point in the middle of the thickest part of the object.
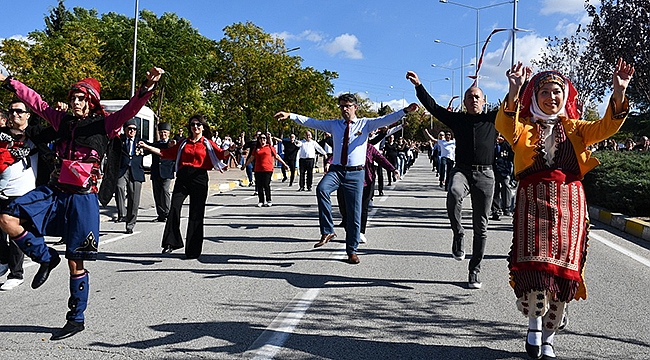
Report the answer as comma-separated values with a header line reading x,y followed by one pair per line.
x,y
453,70
478,9
135,46
462,58
436,80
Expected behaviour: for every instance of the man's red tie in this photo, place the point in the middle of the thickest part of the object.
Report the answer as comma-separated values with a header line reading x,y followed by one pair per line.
x,y
344,150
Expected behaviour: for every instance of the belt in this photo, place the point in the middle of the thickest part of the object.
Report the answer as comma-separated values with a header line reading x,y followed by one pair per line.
x,y
351,168
474,167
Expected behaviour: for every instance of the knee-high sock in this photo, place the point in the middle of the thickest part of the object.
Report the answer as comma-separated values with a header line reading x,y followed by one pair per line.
x,y
33,246
78,300
547,338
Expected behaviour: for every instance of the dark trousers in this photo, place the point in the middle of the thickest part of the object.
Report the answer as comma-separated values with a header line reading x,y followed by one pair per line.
x,y
263,183
479,185
380,181
306,172
292,168
10,253
161,196
190,182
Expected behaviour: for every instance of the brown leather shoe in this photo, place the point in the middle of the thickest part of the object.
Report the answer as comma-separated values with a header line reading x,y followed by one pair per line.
x,y
353,259
324,239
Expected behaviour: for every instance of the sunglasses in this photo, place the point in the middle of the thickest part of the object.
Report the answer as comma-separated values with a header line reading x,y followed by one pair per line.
x,y
263,137
195,124
131,129
17,111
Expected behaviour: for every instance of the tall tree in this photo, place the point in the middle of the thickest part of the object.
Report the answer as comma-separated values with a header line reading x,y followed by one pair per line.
x,y
622,29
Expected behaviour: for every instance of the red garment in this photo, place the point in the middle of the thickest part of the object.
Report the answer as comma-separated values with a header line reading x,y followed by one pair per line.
x,y
264,159
550,237
194,154
6,159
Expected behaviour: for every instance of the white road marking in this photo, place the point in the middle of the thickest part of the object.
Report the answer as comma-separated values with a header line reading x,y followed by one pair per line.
x,y
270,342
620,249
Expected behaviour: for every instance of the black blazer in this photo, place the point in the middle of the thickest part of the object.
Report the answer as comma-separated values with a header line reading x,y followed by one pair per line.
x,y
137,170
161,168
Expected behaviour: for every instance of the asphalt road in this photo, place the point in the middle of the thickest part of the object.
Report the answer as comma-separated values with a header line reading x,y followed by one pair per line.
x,y
260,290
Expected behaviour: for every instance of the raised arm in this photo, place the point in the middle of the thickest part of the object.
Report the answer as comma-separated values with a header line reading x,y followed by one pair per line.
x,y
621,79
517,76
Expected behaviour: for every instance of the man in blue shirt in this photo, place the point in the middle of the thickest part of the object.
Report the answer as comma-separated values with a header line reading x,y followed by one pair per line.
x,y
350,135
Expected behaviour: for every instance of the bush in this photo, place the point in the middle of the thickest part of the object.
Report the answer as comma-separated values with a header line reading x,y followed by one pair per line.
x,y
621,183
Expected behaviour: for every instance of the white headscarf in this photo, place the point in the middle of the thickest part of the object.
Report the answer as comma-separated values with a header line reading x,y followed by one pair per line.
x,y
547,124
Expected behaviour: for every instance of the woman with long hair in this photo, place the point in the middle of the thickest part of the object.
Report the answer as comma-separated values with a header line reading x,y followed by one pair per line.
x,y
551,221
194,156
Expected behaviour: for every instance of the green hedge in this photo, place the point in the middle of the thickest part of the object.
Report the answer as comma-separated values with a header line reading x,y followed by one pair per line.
x,y
621,183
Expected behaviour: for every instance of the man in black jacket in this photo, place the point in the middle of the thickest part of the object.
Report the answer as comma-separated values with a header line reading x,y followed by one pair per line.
x,y
131,177
162,173
472,174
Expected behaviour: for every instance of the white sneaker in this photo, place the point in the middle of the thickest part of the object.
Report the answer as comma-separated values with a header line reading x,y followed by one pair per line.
x,y
362,238
3,269
259,204
11,283
268,204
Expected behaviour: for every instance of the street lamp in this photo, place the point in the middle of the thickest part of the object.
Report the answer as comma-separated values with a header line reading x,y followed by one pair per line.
x,y
436,80
478,9
453,70
135,47
462,58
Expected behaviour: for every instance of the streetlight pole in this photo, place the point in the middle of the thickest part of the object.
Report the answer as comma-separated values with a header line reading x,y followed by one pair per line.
x,y
452,75
478,9
135,47
462,59
432,81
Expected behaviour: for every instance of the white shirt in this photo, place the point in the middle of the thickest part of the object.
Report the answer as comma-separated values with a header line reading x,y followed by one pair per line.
x,y
448,149
308,149
360,129
22,179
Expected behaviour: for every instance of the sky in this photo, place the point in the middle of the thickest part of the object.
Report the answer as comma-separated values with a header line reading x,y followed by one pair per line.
x,y
371,44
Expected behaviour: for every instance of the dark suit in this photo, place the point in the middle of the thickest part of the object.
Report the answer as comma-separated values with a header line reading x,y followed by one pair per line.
x,y
129,183
162,173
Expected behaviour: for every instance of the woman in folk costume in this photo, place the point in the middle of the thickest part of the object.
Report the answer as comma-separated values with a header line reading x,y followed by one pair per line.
x,y
549,247
194,156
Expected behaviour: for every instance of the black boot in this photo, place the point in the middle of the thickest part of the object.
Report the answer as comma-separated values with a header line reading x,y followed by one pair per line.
x,y
70,328
44,271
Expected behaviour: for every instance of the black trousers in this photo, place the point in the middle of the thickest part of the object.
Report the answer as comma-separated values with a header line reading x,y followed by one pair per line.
x,y
263,183
190,182
306,171
292,168
10,253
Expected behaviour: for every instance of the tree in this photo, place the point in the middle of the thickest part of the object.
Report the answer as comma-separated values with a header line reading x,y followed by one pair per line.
x,y
622,29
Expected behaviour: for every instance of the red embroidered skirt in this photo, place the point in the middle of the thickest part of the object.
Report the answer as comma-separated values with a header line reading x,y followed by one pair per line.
x,y
550,235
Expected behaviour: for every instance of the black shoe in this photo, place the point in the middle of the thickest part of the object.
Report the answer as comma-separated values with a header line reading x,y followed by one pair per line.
x,y
495,217
308,189
285,179
167,249
119,219
533,351
44,271
301,189
70,328
129,231
381,193
60,242
161,219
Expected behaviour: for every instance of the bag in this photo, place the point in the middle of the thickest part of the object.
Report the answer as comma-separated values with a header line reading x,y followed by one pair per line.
x,y
75,173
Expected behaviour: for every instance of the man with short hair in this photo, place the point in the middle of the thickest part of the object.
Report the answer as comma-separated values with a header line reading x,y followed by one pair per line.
x,y
131,177
22,179
472,174
162,173
350,137
307,160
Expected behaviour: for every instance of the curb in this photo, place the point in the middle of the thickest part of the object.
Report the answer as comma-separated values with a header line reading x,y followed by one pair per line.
x,y
632,226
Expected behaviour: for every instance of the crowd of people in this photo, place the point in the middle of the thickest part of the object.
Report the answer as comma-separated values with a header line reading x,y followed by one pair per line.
x,y
534,140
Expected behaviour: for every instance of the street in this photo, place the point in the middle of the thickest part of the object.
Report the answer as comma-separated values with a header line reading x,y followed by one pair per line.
x,y
260,290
